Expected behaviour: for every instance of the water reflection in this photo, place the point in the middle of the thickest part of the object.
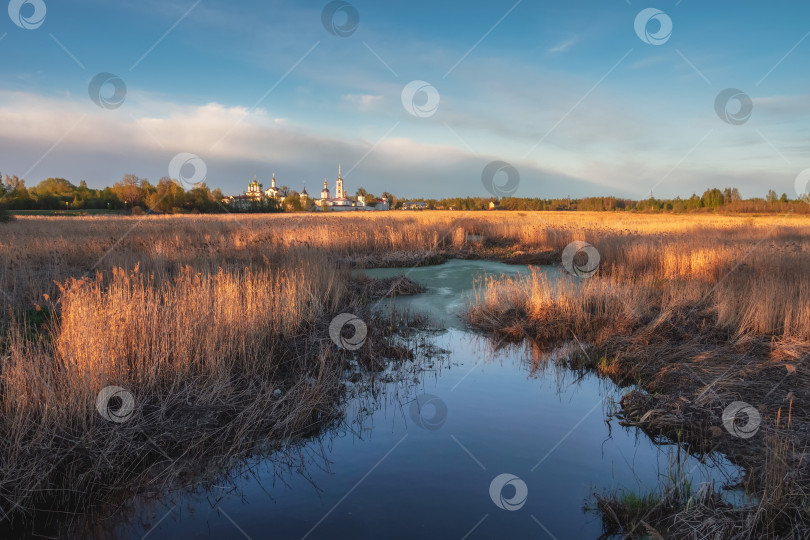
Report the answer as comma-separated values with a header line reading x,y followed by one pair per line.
x,y
391,476
489,440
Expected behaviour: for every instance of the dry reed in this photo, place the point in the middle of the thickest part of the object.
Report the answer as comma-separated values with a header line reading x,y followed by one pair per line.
x,y
700,316
203,318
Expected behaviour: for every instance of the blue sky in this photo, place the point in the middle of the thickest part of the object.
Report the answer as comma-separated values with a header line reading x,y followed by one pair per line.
x,y
567,92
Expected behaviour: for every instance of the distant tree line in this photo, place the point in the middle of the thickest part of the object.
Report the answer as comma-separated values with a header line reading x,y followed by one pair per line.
x,y
131,193
712,200
136,195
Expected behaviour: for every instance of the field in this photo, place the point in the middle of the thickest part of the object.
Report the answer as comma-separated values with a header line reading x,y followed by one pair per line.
x,y
205,318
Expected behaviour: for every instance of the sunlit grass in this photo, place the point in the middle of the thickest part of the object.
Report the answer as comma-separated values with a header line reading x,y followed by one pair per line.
x,y
208,315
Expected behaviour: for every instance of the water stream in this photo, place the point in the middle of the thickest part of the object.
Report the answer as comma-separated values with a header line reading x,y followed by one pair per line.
x,y
427,467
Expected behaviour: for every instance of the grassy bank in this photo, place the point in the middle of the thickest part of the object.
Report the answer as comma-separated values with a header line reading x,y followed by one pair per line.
x,y
697,319
36,252
215,355
212,364
218,326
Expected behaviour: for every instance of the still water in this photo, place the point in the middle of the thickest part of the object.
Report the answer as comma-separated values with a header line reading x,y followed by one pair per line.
x,y
486,444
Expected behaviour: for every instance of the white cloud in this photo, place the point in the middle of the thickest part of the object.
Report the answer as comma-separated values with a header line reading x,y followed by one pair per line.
x,y
606,145
101,146
362,101
565,45
791,106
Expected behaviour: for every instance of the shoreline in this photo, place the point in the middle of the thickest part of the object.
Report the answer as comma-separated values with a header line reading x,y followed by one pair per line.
x,y
207,301
182,431
683,370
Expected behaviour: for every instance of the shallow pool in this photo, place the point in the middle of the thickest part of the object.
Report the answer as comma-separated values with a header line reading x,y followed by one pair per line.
x,y
486,444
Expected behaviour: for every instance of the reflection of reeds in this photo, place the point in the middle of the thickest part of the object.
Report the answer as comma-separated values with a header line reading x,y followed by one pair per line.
x,y
203,317
677,510
701,318
205,356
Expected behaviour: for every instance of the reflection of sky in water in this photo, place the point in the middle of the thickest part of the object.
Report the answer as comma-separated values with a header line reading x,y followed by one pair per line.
x,y
449,286
511,411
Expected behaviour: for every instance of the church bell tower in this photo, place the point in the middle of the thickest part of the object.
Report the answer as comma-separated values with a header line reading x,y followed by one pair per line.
x,y
339,188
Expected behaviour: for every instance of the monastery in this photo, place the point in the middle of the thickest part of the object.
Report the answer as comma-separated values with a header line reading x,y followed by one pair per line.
x,y
257,195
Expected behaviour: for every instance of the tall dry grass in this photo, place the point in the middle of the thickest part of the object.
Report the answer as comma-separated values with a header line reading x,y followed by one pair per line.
x,y
762,293
202,318
37,251
218,363
135,330
698,315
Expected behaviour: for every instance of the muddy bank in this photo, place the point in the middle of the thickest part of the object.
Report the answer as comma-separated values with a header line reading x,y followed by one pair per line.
x,y
689,376
195,430
500,251
366,287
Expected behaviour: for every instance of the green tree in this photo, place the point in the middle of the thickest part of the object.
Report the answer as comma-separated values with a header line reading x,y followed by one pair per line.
x,y
17,196
4,215
147,190
292,203
712,198
168,196
58,188
198,198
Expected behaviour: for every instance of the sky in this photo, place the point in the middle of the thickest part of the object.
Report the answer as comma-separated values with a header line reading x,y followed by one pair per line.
x,y
580,98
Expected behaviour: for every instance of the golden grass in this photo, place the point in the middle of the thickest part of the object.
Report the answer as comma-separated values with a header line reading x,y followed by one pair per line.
x,y
699,315
36,251
203,317
203,355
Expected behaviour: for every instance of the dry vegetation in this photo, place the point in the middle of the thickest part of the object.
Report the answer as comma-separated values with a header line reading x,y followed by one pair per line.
x,y
697,315
204,318
219,329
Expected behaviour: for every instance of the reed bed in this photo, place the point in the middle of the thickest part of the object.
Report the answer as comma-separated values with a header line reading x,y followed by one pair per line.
x,y
213,361
218,326
695,319
37,251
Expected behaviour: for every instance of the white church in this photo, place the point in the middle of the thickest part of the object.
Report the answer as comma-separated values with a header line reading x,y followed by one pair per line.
x,y
341,203
257,194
